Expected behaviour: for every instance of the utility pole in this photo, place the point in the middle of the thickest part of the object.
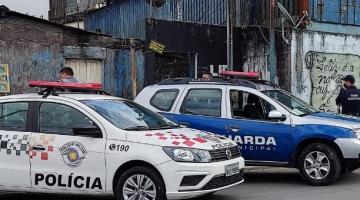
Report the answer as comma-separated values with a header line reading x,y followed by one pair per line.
x,y
230,28
78,13
151,9
272,56
133,68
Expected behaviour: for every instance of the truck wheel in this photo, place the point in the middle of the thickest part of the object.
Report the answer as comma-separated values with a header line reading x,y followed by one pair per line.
x,y
140,183
319,164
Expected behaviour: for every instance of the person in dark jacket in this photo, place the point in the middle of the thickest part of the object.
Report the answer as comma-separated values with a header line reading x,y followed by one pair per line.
x,y
349,97
67,76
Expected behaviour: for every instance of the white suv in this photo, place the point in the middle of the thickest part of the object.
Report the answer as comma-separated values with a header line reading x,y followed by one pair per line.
x,y
76,143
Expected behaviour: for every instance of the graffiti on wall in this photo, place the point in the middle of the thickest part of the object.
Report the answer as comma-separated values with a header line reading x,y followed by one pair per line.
x,y
327,70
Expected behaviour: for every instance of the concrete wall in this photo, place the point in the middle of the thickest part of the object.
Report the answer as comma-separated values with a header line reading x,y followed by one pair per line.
x,y
318,62
255,54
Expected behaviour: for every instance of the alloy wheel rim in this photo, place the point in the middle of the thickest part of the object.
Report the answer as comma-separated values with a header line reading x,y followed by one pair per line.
x,y
317,165
139,187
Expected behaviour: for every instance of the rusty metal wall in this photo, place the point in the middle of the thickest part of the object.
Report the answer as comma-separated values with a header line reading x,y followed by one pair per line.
x,y
57,9
75,6
256,12
60,9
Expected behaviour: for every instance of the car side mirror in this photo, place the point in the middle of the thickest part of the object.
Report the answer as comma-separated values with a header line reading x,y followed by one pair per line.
x,y
92,131
276,115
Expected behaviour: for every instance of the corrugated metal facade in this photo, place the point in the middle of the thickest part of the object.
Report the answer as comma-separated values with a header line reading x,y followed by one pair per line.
x,y
335,11
123,66
330,11
256,12
125,18
120,19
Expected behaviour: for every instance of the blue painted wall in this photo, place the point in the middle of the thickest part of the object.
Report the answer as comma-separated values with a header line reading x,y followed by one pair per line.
x,y
345,12
335,11
123,72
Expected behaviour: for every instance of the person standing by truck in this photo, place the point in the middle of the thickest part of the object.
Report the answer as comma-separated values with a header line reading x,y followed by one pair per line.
x,y
349,97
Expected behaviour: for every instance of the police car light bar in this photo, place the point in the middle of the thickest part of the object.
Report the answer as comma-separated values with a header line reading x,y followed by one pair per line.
x,y
62,85
240,74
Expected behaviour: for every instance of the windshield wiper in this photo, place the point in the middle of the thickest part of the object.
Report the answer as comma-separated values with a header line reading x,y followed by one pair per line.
x,y
306,114
170,126
137,128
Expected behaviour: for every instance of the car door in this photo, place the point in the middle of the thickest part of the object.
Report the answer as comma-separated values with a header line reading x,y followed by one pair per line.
x,y
260,138
203,108
14,146
66,155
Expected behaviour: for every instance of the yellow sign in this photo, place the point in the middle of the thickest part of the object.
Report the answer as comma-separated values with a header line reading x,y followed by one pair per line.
x,y
156,47
4,78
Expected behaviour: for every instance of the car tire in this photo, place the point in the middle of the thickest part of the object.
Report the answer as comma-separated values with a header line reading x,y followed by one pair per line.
x,y
129,180
319,164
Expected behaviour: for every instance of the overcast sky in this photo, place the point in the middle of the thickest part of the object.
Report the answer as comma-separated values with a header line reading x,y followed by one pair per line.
x,y
32,7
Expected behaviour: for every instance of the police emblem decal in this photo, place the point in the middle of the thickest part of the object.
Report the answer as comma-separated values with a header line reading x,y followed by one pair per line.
x,y
228,154
73,153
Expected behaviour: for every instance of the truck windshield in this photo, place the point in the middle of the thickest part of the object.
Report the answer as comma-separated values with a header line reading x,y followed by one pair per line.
x,y
293,104
128,115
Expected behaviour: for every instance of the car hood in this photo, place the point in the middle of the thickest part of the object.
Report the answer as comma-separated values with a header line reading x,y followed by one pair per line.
x,y
181,137
334,119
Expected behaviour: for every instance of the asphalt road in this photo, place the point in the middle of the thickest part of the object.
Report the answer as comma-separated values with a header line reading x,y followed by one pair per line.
x,y
261,184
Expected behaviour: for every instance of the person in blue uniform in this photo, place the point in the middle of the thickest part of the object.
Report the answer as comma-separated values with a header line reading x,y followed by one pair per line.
x,y
349,97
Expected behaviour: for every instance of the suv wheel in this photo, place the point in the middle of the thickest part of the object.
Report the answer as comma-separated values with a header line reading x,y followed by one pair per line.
x,y
141,183
319,164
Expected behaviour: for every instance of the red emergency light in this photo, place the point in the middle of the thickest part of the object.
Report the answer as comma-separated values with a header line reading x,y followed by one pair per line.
x,y
62,85
249,75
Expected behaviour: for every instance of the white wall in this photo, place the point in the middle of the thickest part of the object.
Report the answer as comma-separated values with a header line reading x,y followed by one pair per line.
x,y
257,59
304,42
76,24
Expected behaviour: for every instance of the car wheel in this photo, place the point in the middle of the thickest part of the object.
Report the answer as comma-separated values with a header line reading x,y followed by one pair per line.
x,y
140,183
319,164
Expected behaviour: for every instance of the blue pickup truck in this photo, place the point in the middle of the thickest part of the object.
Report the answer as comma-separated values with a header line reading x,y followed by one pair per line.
x,y
271,126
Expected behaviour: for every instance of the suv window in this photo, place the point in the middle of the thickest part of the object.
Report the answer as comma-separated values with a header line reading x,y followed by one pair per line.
x,y
205,102
61,119
14,116
247,105
164,99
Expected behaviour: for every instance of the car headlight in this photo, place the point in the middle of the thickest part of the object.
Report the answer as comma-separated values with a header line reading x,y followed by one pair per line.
x,y
357,133
188,154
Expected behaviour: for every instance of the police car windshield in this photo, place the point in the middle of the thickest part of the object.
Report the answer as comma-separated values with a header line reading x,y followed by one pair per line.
x,y
293,104
128,115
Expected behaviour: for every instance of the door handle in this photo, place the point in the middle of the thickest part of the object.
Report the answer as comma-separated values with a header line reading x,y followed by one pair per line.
x,y
234,128
186,124
38,148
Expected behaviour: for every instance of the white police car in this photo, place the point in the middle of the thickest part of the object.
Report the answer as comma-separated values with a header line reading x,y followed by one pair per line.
x,y
272,127
81,143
